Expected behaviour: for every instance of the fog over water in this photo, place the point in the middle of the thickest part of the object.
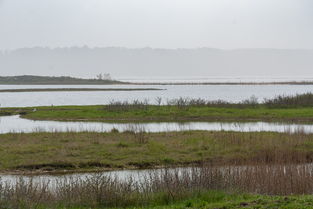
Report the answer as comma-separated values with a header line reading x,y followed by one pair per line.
x,y
205,62
156,38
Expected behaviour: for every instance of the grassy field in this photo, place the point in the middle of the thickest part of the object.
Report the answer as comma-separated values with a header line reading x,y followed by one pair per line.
x,y
220,200
165,113
205,200
296,108
92,151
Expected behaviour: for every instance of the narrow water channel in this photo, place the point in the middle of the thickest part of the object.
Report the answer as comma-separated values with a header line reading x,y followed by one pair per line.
x,y
15,124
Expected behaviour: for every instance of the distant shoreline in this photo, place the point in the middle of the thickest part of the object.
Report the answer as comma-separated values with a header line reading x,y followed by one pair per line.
x,y
66,80
166,83
225,83
51,80
76,90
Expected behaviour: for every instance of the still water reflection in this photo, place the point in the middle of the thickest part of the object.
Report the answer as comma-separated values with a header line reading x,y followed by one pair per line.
x,y
15,124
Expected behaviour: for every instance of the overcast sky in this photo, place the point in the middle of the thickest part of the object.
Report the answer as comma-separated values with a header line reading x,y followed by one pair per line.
x,y
225,24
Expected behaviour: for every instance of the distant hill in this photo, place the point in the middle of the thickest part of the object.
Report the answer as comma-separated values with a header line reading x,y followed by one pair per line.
x,y
149,62
47,80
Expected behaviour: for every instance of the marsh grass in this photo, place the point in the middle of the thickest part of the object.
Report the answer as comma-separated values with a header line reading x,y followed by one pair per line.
x,y
159,187
281,108
299,100
138,132
228,162
117,106
280,101
138,149
181,103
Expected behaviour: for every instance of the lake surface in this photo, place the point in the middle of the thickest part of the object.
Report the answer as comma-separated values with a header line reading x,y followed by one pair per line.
x,y
15,124
231,93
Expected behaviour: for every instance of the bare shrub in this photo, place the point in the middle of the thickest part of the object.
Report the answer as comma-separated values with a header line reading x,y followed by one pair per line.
x,y
252,101
158,101
139,133
127,106
283,101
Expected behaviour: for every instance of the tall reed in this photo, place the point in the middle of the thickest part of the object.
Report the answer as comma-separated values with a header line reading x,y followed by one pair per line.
x,y
157,187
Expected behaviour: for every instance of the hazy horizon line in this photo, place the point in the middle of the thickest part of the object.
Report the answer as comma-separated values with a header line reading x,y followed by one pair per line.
x,y
151,48
168,77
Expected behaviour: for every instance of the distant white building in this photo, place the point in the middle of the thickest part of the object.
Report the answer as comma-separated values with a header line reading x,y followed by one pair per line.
x,y
107,76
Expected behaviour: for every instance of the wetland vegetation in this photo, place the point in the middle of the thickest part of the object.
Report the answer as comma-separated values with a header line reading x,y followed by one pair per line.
x,y
200,187
279,109
42,152
225,169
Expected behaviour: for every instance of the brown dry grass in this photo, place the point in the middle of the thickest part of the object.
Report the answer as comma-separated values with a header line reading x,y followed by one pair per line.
x,y
158,188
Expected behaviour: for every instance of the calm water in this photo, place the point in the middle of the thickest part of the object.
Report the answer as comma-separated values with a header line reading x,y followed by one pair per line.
x,y
122,175
229,93
52,179
219,79
137,176
15,124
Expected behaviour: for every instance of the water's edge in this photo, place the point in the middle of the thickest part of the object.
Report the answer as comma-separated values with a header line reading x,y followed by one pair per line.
x,y
16,124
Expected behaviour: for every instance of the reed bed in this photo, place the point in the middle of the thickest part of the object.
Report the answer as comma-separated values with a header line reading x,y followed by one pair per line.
x,y
280,101
232,162
126,105
283,101
158,187
181,103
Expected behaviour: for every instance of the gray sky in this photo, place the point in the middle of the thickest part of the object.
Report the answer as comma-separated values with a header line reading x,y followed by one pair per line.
x,y
157,23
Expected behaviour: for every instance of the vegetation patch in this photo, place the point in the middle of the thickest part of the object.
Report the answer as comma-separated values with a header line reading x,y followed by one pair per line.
x,y
69,151
199,188
297,108
49,80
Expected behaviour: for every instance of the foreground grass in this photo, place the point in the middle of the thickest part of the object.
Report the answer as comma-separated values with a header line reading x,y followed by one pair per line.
x,y
199,189
277,170
219,200
203,200
164,113
89,151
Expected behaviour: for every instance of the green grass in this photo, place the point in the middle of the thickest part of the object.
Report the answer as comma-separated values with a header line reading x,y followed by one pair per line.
x,y
89,151
219,200
38,152
165,113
